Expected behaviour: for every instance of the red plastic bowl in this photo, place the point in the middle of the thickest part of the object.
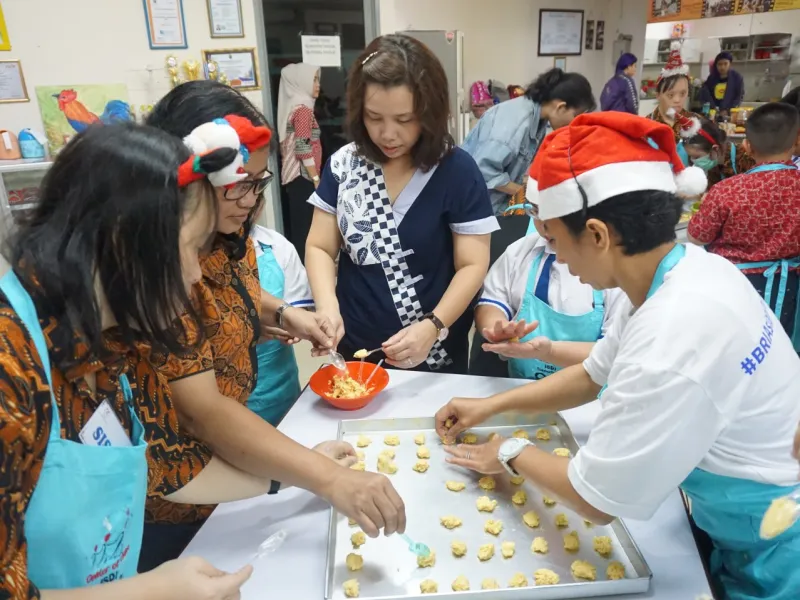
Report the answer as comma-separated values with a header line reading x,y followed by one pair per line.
x,y
321,383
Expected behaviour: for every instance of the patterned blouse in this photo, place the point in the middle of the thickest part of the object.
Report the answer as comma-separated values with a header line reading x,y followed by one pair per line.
x,y
301,144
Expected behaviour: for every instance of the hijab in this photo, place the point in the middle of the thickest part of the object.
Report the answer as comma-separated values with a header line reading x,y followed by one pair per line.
x,y
296,88
626,60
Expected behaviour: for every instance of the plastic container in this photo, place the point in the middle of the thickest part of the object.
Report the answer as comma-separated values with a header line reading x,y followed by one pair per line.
x,y
31,145
321,383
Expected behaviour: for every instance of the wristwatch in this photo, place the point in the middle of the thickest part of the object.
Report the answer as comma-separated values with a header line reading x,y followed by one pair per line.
x,y
441,329
511,449
279,313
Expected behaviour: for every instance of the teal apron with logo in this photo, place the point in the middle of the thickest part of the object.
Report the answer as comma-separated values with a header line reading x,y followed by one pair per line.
x,y
278,385
554,325
85,518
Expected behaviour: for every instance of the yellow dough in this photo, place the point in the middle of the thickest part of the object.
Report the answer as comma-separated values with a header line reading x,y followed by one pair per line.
x,y
362,442
490,584
562,452
602,545
386,464
352,522
423,562
354,562
392,440
507,549
543,434
519,498
615,570
539,546
588,523
521,433
429,586
459,549
419,440
486,504
531,519
486,552
486,483
359,466
584,570
421,466
455,486
546,577
387,452
517,480
423,452
572,542
359,455
358,539
492,436
461,584
778,518
548,502
447,425
494,527
450,522
351,588
518,581
562,522
469,438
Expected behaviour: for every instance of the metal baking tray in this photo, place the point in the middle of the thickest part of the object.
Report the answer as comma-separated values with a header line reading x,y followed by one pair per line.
x,y
390,571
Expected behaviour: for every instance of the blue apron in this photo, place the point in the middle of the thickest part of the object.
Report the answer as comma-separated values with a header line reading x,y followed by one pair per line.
x,y
85,518
552,324
278,385
773,266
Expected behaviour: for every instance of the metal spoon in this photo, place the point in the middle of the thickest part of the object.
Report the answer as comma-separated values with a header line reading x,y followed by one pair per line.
x,y
337,360
781,515
414,547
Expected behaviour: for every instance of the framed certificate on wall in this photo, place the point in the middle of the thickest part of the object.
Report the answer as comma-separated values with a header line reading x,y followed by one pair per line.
x,y
560,32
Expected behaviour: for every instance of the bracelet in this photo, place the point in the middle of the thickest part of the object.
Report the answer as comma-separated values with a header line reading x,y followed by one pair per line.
x,y
279,313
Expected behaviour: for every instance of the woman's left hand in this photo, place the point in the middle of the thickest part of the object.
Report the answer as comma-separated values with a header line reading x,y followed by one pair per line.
x,y
340,452
276,333
479,457
410,346
538,348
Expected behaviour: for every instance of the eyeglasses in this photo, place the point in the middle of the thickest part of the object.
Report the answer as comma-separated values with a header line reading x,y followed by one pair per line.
x,y
241,189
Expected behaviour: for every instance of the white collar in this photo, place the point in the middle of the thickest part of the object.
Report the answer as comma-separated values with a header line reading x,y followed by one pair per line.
x,y
543,244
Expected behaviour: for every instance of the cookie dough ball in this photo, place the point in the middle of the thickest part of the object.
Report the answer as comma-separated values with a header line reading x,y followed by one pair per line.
x,y
487,483
447,425
386,465
507,549
387,452
531,519
521,434
455,486
493,436
469,438
486,504
351,588
359,466
429,586
354,562
493,526
602,545
362,442
459,549
546,577
572,542
419,439
615,570
421,466
359,455
518,581
490,584
424,562
543,434
519,498
461,584
584,570
352,522
563,452
539,546
423,452
518,480
562,522
392,440
450,522
486,552
548,502
358,539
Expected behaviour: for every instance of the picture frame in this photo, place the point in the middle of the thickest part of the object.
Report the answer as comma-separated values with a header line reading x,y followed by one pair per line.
x,y
560,32
240,66
166,24
588,43
12,82
5,41
560,62
599,40
225,18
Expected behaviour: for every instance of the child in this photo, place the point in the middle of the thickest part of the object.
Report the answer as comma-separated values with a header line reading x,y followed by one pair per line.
x,y
711,150
753,219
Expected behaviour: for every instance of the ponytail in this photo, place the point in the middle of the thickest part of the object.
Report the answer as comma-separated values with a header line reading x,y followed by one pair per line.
x,y
571,88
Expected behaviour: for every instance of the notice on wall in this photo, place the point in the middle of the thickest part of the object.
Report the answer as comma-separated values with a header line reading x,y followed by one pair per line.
x,y
684,10
322,50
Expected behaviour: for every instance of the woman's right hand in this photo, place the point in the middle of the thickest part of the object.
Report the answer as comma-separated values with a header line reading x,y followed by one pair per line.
x,y
335,328
460,414
196,578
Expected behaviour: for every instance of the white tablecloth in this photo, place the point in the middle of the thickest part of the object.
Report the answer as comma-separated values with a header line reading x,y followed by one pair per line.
x,y
232,535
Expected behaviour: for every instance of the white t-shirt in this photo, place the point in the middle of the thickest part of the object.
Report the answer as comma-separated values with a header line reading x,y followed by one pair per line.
x,y
504,287
296,290
701,375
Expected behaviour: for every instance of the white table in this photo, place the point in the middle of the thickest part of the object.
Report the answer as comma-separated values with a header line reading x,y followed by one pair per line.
x,y
233,533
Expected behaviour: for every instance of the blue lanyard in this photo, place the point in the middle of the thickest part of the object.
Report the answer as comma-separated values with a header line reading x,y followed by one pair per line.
x,y
665,266
771,167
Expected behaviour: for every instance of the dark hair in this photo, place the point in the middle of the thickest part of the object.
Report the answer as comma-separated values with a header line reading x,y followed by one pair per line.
x,y
793,98
110,209
772,128
724,55
720,137
571,88
667,83
643,220
395,60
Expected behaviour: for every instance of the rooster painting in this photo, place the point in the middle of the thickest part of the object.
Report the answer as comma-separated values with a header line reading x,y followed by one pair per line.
x,y
79,117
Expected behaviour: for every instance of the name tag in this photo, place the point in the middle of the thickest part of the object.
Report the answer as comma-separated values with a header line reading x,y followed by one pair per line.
x,y
104,429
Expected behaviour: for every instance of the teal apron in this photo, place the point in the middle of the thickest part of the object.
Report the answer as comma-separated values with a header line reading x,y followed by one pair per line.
x,y
773,266
278,385
554,325
85,518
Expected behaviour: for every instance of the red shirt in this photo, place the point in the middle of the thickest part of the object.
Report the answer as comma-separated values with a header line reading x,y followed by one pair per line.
x,y
751,217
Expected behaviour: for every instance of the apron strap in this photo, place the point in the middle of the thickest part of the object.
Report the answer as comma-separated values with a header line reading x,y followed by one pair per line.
x,y
542,290
598,300
733,158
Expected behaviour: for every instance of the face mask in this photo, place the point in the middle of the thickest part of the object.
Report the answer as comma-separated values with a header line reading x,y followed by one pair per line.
x,y
705,162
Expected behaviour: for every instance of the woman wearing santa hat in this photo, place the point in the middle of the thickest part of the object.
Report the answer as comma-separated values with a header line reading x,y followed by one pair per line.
x,y
703,399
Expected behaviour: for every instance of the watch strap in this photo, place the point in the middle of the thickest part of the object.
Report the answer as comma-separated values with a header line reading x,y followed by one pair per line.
x,y
279,313
274,487
436,321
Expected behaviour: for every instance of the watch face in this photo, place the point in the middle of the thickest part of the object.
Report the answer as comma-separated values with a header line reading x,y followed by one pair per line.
x,y
511,448
443,334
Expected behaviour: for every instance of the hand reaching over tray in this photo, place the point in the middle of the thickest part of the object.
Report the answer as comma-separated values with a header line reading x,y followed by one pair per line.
x,y
481,457
460,414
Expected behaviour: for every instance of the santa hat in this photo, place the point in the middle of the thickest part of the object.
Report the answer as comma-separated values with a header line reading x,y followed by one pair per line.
x,y
608,154
675,64
690,126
